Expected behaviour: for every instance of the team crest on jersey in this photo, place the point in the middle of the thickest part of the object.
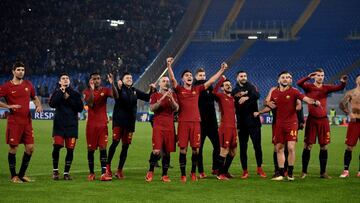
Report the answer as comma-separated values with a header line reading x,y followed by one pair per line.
x,y
102,94
134,92
193,92
26,89
287,96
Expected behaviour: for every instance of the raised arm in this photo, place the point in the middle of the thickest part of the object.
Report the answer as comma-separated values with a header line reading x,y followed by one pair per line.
x,y
218,85
223,67
169,62
301,82
115,92
341,86
89,98
344,103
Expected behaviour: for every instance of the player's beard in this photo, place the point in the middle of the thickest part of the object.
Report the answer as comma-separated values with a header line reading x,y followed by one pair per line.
x,y
18,78
227,92
284,85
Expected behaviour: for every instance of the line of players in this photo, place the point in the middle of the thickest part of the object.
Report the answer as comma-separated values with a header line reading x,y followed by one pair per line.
x,y
238,107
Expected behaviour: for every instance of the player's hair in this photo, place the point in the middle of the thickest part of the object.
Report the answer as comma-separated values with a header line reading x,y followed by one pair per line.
x,y
226,80
125,74
319,70
18,64
200,70
185,71
284,72
94,73
62,74
241,71
357,75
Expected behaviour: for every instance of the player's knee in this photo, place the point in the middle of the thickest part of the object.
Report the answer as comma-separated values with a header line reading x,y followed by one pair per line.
x,y
13,149
183,150
349,148
232,152
29,149
308,146
323,147
224,151
195,150
156,152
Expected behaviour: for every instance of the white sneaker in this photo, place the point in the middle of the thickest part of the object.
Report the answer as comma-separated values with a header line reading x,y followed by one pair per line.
x,y
344,174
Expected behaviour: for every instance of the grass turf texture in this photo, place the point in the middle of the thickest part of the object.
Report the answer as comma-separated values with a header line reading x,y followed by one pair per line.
x,y
134,187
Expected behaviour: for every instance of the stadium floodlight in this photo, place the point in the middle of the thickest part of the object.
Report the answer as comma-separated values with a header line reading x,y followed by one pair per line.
x,y
252,37
272,37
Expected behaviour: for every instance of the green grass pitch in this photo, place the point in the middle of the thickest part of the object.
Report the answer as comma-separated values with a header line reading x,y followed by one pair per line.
x,y
134,188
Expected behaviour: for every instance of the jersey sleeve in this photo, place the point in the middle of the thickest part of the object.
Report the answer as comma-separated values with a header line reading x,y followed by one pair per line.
x,y
334,88
86,94
199,88
109,92
298,94
3,90
153,98
32,91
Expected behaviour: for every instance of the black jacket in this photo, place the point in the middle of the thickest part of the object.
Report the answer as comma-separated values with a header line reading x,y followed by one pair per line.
x,y
245,112
125,108
66,112
207,106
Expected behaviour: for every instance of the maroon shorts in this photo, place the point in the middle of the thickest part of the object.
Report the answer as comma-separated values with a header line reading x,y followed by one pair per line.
x,y
70,142
285,132
189,131
353,133
163,139
96,136
227,137
319,127
123,134
19,133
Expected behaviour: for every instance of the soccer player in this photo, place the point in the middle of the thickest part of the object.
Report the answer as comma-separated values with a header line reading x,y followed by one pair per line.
x,y
350,104
67,103
96,127
317,123
208,124
285,99
18,93
246,96
189,116
163,103
227,129
124,118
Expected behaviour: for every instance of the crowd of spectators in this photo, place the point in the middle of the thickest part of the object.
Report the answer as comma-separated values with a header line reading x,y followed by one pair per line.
x,y
75,36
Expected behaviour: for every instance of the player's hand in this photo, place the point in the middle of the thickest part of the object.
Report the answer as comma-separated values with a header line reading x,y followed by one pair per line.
x,y
62,89
240,94
119,83
152,86
66,95
271,104
91,84
243,100
224,66
169,61
301,126
39,108
14,106
312,75
317,103
343,78
256,114
110,78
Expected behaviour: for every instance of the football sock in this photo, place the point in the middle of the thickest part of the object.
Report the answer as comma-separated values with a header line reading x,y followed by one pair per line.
x,y
290,171
90,157
221,164
258,156
24,164
103,160
154,158
281,171
165,163
347,159
286,153
55,156
305,160
194,162
228,162
182,163
323,156
68,159
12,164
200,162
